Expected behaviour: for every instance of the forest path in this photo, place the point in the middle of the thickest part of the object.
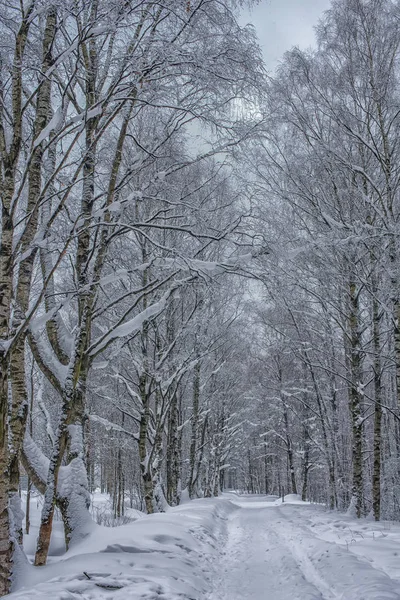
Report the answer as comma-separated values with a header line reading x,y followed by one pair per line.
x,y
271,553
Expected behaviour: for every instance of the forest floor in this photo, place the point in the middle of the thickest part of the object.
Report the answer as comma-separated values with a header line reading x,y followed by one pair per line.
x,y
296,551
231,548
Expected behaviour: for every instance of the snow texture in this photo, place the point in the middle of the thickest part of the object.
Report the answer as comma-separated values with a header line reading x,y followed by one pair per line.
x,y
272,551
165,556
230,548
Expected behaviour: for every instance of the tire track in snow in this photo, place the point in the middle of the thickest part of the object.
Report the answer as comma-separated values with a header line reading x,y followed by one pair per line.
x,y
306,566
338,574
257,564
271,554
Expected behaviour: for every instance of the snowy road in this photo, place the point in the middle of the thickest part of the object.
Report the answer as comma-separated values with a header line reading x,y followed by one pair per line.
x,y
271,554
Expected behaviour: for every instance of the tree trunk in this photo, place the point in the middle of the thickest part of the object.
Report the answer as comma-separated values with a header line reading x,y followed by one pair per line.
x,y
355,401
289,448
195,429
266,465
376,475
306,464
10,527
19,410
173,453
143,454
7,542
46,522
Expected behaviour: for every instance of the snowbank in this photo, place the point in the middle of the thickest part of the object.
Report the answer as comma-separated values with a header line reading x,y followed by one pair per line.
x,y
376,543
164,556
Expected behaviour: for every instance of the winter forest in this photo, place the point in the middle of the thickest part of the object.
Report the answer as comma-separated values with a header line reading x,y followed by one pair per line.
x,y
199,266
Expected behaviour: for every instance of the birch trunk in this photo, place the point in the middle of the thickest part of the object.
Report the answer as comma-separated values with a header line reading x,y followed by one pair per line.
x,y
355,400
306,464
266,466
9,501
73,393
173,453
17,359
143,433
194,434
376,475
289,446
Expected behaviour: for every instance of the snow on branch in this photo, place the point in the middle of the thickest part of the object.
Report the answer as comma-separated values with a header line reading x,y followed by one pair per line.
x,y
205,268
112,426
37,460
133,325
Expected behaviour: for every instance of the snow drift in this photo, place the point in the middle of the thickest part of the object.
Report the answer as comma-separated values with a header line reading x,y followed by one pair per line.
x,y
165,556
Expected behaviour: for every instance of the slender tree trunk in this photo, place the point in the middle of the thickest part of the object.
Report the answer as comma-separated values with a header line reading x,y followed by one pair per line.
x,y
195,429
29,486
68,439
144,457
6,541
173,458
46,522
355,400
19,410
306,464
266,466
376,476
10,526
289,448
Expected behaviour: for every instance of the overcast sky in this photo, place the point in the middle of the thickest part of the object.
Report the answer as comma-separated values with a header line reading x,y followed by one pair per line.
x,y
282,24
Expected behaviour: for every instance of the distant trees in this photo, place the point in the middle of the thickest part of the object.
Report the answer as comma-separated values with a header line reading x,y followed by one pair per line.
x,y
326,170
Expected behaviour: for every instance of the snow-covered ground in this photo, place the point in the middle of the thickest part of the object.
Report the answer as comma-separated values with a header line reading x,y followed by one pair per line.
x,y
164,556
293,551
230,548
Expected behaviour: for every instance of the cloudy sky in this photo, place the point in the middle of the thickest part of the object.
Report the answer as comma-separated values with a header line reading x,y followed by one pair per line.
x,y
281,24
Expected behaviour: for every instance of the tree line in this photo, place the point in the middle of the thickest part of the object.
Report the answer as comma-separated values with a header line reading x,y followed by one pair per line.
x,y
199,261
326,317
